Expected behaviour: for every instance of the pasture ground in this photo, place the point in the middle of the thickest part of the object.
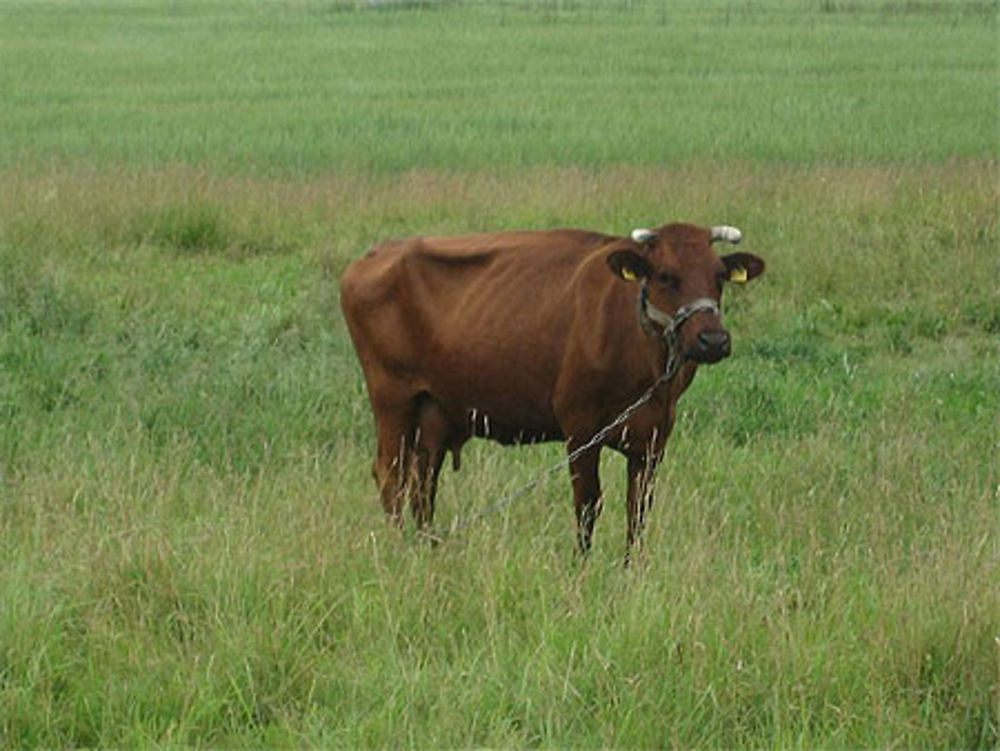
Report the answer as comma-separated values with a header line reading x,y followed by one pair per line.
x,y
190,549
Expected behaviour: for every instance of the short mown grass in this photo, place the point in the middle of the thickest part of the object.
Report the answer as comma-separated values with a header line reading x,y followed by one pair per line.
x,y
313,87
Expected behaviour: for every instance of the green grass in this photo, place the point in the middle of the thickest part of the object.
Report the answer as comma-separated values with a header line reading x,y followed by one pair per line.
x,y
310,87
192,554
190,550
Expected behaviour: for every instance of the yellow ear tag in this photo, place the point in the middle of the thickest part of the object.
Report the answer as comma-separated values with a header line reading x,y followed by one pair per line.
x,y
627,274
738,274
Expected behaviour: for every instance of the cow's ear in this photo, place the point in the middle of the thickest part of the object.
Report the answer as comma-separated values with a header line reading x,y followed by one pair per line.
x,y
743,267
629,265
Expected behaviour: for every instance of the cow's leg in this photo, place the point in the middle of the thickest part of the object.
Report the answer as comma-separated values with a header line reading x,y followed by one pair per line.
x,y
426,468
586,494
394,456
431,440
641,481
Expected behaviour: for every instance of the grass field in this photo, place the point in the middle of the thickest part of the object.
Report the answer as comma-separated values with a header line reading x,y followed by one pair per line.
x,y
306,87
190,552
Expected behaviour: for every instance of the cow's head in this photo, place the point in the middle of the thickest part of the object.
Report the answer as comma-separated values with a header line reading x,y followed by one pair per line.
x,y
681,279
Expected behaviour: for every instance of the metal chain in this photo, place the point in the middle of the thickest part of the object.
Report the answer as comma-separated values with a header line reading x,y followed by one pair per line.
x,y
461,524
674,361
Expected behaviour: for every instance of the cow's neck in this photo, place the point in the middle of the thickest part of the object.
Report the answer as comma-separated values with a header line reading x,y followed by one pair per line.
x,y
657,327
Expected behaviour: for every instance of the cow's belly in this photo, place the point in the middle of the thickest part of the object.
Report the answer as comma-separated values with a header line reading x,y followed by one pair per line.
x,y
506,406
500,416
509,433
502,387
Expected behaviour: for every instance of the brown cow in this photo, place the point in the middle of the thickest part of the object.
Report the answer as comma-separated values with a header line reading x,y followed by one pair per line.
x,y
535,336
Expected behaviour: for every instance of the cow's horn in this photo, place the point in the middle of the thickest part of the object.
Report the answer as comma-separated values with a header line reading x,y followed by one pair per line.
x,y
643,236
727,233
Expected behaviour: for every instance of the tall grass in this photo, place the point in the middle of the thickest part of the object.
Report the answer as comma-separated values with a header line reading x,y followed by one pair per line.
x,y
190,552
192,555
312,87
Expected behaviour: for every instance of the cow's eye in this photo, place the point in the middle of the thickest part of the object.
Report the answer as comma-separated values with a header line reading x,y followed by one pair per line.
x,y
669,279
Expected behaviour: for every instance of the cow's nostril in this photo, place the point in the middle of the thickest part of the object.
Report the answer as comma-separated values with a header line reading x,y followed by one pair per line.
x,y
714,338
714,342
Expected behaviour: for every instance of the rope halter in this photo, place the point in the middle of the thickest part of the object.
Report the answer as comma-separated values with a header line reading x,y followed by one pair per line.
x,y
671,325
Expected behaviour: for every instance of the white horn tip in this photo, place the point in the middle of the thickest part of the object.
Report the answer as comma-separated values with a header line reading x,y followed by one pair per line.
x,y
727,233
643,236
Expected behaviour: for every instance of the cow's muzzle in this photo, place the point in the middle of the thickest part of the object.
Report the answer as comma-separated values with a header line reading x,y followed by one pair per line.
x,y
710,346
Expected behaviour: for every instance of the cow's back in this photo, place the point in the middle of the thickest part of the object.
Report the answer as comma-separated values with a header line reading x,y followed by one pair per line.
x,y
479,321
